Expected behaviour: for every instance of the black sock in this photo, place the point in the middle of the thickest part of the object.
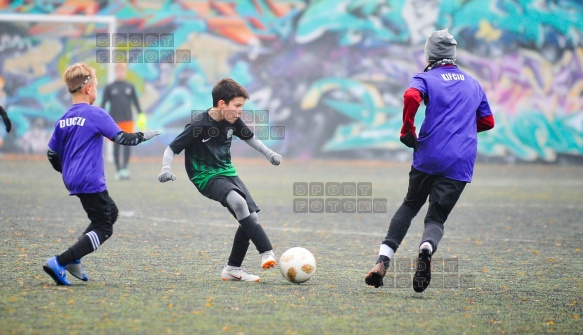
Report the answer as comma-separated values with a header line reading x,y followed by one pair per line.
x,y
385,259
77,251
256,234
239,249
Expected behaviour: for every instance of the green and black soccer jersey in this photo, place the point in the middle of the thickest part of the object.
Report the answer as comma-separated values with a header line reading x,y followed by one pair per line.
x,y
207,145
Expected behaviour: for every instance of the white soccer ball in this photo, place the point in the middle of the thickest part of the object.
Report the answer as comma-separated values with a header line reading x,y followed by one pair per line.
x,y
297,265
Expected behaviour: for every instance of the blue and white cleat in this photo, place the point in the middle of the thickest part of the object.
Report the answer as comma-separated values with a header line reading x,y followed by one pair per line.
x,y
56,271
77,270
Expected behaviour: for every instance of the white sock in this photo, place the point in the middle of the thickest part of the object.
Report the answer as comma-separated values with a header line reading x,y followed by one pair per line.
x,y
426,245
385,250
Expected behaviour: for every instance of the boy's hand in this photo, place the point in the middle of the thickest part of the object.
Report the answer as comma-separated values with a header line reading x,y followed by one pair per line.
x,y
148,134
410,140
166,175
274,158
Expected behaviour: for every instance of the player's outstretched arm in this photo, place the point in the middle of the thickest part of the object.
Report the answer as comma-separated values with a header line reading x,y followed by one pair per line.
x,y
166,173
273,157
124,138
55,160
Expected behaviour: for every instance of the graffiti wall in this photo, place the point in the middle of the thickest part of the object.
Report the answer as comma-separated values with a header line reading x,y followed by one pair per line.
x,y
329,74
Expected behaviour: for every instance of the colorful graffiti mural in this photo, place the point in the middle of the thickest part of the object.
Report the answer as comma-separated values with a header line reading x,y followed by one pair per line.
x,y
331,72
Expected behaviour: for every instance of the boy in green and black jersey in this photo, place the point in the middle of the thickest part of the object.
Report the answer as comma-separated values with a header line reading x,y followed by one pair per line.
x,y
207,145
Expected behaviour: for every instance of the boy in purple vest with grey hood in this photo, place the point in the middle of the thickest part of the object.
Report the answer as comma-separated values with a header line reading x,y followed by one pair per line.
x,y
444,152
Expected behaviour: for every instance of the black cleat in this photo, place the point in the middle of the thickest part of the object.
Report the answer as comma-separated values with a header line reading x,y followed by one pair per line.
x,y
423,273
375,276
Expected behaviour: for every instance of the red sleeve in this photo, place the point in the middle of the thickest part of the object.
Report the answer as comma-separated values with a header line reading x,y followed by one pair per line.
x,y
485,123
412,101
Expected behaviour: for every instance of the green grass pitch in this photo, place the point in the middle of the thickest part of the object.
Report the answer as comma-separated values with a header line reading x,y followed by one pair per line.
x,y
510,261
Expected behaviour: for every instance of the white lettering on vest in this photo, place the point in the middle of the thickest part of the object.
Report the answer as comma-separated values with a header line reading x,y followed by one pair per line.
x,y
72,121
452,76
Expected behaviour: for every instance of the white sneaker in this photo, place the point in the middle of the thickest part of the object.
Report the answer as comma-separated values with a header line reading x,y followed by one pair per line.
x,y
268,260
238,274
125,174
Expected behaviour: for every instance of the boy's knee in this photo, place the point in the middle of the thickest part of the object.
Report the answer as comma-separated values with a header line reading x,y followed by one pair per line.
x,y
437,213
114,218
237,204
413,207
114,214
104,232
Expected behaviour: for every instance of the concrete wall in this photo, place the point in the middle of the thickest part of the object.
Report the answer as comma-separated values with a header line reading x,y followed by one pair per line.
x,y
329,74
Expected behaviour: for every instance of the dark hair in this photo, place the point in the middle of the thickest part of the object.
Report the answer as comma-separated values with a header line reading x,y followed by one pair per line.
x,y
227,89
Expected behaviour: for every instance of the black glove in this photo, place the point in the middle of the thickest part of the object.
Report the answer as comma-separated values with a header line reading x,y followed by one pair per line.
x,y
6,120
55,160
410,140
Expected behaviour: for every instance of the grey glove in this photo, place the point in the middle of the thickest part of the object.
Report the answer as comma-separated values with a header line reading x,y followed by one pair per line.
x,y
148,134
166,175
274,158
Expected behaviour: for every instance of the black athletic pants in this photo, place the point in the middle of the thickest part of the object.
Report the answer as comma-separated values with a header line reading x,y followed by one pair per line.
x,y
102,212
443,194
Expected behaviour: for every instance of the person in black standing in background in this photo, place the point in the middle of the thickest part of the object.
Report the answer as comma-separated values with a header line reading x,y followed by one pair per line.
x,y
120,95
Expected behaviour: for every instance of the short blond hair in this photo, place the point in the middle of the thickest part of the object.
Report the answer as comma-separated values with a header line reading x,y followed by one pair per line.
x,y
76,75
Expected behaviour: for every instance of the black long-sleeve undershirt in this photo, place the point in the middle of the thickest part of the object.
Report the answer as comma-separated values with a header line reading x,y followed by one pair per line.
x,y
132,139
122,138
